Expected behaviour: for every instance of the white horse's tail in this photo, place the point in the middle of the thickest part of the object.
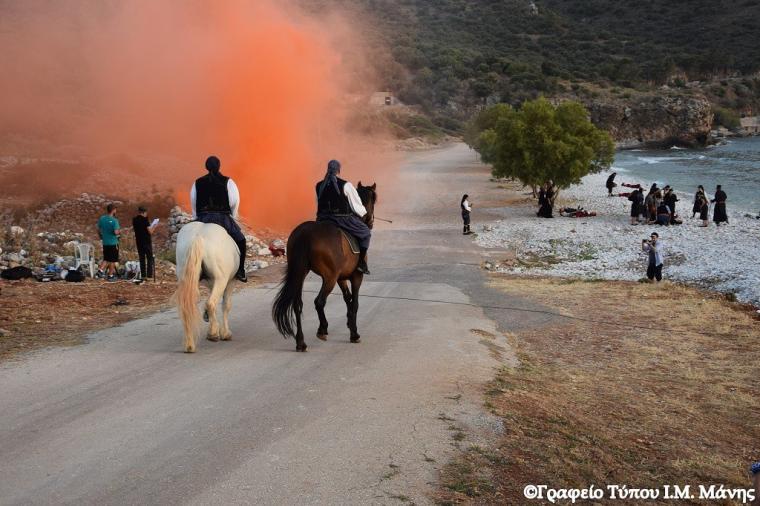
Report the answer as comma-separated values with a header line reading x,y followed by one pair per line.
x,y
187,294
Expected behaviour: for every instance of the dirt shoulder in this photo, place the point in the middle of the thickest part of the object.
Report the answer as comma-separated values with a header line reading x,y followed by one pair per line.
x,y
648,385
36,315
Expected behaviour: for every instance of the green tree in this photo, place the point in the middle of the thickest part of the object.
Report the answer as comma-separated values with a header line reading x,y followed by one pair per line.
x,y
542,142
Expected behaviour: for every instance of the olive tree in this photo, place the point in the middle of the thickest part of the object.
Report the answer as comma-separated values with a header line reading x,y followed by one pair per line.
x,y
541,142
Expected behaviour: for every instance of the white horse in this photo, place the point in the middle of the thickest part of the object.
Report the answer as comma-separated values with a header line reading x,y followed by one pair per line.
x,y
205,249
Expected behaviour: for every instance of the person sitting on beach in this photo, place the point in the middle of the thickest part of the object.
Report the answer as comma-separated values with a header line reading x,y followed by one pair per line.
x,y
663,214
636,186
611,183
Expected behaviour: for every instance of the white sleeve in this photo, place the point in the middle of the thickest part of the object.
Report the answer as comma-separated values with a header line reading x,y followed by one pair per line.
x,y
353,200
467,205
192,201
234,196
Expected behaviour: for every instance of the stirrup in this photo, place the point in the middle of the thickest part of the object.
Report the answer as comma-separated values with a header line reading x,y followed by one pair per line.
x,y
362,267
241,276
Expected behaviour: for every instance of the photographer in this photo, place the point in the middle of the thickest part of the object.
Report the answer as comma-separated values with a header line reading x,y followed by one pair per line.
x,y
655,249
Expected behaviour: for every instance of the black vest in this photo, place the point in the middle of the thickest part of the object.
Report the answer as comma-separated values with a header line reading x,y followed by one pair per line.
x,y
332,202
211,195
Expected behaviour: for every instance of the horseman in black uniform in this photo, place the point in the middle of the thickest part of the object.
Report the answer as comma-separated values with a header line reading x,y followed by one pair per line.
x,y
338,202
215,199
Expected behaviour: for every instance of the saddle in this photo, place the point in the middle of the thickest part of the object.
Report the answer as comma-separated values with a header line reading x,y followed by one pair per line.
x,y
352,242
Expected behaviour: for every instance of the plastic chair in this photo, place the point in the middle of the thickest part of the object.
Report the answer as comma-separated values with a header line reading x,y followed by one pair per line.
x,y
83,256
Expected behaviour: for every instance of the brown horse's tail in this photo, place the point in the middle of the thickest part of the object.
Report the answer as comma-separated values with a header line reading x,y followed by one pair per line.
x,y
288,300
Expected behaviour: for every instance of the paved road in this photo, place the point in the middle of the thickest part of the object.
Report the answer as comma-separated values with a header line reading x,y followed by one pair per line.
x,y
129,419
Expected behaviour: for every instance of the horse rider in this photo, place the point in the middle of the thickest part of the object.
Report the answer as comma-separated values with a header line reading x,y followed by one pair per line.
x,y
215,199
338,202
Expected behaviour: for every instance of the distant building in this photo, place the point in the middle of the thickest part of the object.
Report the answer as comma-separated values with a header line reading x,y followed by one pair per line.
x,y
382,98
751,124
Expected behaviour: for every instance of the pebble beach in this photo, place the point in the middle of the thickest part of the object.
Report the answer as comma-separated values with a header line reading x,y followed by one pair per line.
x,y
607,246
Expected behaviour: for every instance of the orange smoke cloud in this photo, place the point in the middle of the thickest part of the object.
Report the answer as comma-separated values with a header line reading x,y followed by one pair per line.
x,y
258,83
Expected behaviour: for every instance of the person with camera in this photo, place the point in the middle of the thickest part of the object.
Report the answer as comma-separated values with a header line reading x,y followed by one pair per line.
x,y
654,247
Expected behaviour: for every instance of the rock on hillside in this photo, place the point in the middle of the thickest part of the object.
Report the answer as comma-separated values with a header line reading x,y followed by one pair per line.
x,y
654,120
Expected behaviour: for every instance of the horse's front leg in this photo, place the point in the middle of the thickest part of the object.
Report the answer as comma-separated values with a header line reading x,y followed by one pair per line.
x,y
226,334
356,283
320,302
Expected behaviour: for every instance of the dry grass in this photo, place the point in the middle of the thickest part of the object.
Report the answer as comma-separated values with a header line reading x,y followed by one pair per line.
x,y
594,403
35,315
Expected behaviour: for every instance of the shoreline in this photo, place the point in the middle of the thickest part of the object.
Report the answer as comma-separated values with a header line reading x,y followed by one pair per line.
x,y
722,259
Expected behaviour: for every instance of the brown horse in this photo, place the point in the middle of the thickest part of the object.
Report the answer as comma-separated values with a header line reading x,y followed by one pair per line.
x,y
322,248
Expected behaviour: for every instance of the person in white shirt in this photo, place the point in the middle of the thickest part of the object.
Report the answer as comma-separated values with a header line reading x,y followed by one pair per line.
x,y
215,199
654,247
338,202
466,210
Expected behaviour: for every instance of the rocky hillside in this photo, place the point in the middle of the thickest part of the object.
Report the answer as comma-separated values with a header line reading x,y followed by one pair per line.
x,y
451,57
655,120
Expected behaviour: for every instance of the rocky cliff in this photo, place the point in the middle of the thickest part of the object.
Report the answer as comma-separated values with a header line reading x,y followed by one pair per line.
x,y
649,120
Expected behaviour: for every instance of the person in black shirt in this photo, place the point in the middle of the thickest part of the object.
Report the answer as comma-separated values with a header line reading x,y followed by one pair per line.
x,y
611,183
719,211
143,240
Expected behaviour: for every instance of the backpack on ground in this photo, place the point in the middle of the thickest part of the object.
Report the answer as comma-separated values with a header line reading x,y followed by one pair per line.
x,y
16,273
74,276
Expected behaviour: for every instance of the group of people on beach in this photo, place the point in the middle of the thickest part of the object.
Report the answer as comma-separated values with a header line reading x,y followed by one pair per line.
x,y
658,206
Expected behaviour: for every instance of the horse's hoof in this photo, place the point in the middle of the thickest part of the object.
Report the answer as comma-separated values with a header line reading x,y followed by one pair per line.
x,y
356,339
212,338
301,349
227,337
190,349
322,337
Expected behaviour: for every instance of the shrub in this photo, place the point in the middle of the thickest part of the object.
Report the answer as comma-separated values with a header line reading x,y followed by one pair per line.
x,y
726,118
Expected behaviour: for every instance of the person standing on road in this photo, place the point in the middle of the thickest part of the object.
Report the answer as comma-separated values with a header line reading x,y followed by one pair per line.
x,y
143,232
466,208
109,231
719,211
654,248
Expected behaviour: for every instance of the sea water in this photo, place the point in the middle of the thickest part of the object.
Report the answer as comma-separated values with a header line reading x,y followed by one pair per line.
x,y
735,165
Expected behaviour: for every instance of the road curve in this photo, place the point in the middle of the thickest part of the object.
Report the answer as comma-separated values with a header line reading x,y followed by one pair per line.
x,y
129,419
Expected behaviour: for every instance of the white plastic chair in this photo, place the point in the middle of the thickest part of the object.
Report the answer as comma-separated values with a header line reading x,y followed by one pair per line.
x,y
83,256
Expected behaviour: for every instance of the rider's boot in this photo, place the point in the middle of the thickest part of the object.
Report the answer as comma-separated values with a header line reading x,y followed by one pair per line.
x,y
464,230
240,274
362,266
